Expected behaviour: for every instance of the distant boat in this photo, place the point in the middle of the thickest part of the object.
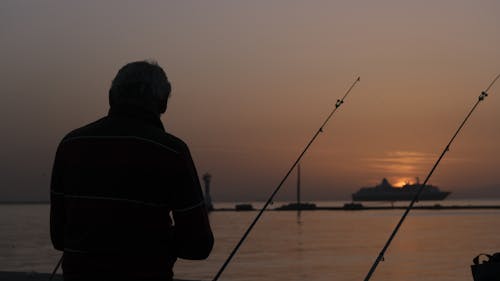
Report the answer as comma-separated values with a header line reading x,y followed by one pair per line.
x,y
244,207
386,192
297,207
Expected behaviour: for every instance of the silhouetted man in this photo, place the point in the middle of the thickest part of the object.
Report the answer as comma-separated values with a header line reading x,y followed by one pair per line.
x,y
117,181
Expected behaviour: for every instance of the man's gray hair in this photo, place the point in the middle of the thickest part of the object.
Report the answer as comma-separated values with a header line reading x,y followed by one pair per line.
x,y
141,83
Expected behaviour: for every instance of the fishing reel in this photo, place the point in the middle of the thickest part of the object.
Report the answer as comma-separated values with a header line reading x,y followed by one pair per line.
x,y
483,95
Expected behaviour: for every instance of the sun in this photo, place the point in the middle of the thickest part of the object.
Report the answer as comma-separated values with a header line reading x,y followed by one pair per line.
x,y
399,182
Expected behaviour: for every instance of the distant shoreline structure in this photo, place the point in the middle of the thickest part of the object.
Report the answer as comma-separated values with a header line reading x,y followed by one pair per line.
x,y
359,207
23,202
349,206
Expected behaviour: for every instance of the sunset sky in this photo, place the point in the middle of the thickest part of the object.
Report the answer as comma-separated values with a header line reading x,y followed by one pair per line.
x,y
253,81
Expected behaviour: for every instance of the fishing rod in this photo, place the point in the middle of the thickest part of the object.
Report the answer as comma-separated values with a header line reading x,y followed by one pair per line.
x,y
320,130
56,268
380,257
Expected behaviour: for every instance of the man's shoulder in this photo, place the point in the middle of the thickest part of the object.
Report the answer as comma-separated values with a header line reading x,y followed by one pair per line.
x,y
86,130
105,127
174,141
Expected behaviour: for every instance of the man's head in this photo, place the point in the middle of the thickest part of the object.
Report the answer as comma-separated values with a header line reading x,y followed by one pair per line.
x,y
143,84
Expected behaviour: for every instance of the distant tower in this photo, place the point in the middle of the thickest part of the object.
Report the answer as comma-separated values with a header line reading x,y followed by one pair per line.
x,y
208,200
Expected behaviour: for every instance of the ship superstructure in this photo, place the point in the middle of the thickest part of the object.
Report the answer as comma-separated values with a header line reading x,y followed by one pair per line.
x,y
386,192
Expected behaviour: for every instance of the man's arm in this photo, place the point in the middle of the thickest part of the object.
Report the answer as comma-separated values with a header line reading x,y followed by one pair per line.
x,y
193,237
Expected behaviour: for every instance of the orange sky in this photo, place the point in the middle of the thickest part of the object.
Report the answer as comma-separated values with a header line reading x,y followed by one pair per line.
x,y
253,81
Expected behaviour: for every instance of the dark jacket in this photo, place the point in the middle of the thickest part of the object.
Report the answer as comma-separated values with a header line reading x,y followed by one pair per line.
x,y
115,184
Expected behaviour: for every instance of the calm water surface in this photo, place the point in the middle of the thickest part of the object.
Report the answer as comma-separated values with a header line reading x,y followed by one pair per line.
x,y
320,245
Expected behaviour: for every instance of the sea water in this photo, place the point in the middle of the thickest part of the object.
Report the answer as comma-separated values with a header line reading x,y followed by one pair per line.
x,y
317,245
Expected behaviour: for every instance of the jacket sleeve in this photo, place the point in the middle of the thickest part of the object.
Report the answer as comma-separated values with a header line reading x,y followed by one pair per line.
x,y
57,205
193,236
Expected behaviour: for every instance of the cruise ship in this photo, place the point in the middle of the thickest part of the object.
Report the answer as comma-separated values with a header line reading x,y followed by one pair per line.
x,y
386,192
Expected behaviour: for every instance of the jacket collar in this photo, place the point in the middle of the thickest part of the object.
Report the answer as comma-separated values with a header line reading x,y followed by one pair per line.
x,y
136,113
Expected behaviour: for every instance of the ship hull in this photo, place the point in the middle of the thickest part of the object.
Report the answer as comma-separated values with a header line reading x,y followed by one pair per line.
x,y
399,196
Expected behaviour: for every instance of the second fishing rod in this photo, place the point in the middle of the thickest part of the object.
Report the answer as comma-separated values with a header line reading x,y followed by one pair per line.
x,y
320,130
380,257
